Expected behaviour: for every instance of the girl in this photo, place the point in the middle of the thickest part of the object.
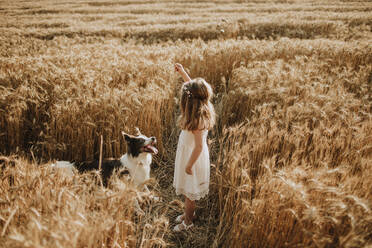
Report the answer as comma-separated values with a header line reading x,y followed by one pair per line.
x,y
191,174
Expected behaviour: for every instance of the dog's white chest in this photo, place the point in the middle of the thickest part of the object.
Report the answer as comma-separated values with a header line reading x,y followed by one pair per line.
x,y
139,167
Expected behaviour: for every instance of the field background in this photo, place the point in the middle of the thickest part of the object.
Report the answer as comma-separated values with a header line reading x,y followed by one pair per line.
x,y
291,151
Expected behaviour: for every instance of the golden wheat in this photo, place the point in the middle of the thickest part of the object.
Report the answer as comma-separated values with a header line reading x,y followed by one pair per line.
x,y
292,146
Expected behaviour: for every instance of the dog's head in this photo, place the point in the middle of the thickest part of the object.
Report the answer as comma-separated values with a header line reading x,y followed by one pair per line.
x,y
140,143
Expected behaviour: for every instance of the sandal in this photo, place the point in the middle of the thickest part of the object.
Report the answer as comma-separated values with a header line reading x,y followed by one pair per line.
x,y
182,227
181,217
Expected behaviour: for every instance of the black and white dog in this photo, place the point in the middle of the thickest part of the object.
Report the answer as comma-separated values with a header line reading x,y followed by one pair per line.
x,y
136,161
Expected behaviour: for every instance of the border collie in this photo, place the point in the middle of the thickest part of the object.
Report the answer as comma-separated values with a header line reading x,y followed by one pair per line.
x,y
136,161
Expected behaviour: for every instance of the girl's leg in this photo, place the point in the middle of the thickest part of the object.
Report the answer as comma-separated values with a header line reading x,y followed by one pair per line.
x,y
189,210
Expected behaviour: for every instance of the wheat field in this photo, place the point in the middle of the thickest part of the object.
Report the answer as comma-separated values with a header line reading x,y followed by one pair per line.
x,y
291,151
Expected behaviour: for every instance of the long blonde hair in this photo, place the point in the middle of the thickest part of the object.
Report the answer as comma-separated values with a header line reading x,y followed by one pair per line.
x,y
197,112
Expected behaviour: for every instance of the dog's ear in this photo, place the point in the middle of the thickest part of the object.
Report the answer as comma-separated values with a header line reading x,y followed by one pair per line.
x,y
138,132
126,136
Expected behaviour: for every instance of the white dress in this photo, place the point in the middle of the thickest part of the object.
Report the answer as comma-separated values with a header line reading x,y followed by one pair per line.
x,y
193,186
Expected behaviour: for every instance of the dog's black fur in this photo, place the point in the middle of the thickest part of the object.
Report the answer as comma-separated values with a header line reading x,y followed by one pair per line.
x,y
107,168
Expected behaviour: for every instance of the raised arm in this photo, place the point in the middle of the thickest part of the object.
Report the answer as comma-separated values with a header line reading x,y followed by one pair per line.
x,y
182,72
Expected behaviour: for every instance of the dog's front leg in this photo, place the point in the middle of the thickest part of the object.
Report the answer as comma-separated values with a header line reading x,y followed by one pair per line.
x,y
137,207
146,189
150,194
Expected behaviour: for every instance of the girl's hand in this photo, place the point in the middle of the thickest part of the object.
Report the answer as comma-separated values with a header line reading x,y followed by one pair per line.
x,y
178,68
188,170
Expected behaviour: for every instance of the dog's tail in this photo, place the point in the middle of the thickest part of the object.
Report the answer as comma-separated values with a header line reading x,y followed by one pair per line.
x,y
66,166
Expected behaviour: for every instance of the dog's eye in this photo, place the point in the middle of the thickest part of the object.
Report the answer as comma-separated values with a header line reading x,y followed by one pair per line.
x,y
141,141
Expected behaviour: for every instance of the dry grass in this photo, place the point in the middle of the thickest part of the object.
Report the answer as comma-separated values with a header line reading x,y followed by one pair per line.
x,y
45,208
292,147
